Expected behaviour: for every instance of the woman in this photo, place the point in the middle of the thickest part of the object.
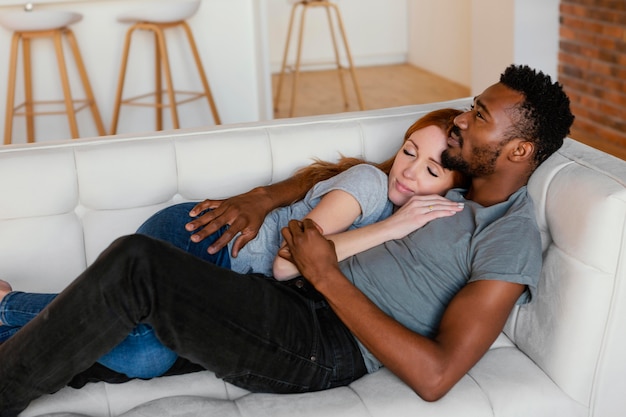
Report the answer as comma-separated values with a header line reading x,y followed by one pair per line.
x,y
352,207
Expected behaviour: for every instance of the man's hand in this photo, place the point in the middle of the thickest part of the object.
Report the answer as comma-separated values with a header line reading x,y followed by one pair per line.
x,y
246,212
309,250
243,214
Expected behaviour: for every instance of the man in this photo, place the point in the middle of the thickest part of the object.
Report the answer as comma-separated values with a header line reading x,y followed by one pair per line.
x,y
427,306
512,127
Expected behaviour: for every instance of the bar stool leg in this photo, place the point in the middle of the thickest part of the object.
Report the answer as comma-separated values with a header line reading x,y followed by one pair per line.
x,y
349,56
296,73
285,54
327,5
91,101
65,83
337,59
158,87
163,75
28,90
121,79
8,119
203,78
168,75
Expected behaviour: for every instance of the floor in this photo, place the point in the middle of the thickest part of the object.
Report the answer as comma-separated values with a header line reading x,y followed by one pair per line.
x,y
319,92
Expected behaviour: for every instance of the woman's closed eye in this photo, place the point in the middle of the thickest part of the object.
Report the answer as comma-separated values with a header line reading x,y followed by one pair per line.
x,y
433,172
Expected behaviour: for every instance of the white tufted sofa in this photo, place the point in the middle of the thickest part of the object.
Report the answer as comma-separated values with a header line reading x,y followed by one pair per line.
x,y
563,355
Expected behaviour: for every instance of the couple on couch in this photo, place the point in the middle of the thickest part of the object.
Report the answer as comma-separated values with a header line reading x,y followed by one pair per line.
x,y
427,304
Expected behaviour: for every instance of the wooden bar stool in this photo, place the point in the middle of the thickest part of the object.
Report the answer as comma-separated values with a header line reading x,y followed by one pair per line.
x,y
329,6
29,25
157,18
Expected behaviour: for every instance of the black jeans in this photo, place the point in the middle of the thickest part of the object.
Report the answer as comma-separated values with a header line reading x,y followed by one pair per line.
x,y
252,331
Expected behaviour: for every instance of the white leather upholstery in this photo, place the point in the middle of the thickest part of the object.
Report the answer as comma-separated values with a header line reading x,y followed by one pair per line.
x,y
562,355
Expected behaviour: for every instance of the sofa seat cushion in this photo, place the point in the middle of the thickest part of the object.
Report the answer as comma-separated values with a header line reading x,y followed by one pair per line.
x,y
504,383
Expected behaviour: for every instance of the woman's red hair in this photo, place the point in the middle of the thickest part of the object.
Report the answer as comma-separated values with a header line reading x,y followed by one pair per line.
x,y
321,170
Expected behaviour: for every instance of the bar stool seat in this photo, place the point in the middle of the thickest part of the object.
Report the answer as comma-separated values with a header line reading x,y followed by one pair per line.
x,y
330,7
28,25
161,13
38,20
157,18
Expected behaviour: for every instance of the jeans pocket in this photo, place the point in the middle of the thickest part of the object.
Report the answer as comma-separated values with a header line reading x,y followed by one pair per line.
x,y
6,332
281,371
316,378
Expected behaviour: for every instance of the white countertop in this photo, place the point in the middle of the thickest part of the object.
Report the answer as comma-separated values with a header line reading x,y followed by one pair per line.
x,y
23,2
35,3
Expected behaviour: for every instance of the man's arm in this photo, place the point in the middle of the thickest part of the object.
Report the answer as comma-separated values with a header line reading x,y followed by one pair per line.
x,y
431,367
246,212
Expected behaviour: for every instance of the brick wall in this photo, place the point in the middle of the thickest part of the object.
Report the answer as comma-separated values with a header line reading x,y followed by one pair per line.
x,y
592,69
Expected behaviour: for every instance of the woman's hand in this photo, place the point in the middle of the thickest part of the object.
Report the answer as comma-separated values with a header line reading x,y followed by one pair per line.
x,y
418,211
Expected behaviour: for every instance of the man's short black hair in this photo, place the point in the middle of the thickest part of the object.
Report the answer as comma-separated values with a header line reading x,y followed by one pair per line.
x,y
545,116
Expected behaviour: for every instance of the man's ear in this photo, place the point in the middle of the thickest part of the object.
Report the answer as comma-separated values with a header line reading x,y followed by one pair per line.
x,y
522,150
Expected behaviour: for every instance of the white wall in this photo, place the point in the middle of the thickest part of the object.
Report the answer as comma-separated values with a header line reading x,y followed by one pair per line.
x,y
492,40
513,31
439,38
472,41
376,31
537,35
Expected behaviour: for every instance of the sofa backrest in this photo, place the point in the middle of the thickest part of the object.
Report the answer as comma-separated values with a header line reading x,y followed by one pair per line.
x,y
576,329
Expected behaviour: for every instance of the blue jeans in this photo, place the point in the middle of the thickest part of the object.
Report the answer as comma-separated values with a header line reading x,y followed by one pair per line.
x,y
169,225
255,332
141,354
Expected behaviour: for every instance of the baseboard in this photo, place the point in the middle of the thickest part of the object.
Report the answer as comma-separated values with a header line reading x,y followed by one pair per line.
x,y
359,61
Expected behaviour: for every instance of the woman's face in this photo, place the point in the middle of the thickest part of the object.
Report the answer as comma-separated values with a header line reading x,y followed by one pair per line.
x,y
417,168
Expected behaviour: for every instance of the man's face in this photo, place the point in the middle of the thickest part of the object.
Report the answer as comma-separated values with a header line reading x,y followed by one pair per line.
x,y
479,135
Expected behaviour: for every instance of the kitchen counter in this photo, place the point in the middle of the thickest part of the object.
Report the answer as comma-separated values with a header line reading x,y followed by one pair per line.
x,y
23,2
231,39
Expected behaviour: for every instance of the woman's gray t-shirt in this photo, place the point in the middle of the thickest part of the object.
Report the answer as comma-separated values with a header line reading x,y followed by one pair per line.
x,y
366,183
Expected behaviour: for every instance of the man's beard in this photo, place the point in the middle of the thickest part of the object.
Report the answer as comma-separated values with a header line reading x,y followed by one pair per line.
x,y
455,163
483,159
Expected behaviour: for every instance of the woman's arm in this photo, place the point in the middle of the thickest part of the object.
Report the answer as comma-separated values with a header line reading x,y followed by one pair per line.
x,y
418,211
335,212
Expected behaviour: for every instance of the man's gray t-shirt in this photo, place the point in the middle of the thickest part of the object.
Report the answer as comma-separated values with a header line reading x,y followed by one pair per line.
x,y
413,279
366,183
